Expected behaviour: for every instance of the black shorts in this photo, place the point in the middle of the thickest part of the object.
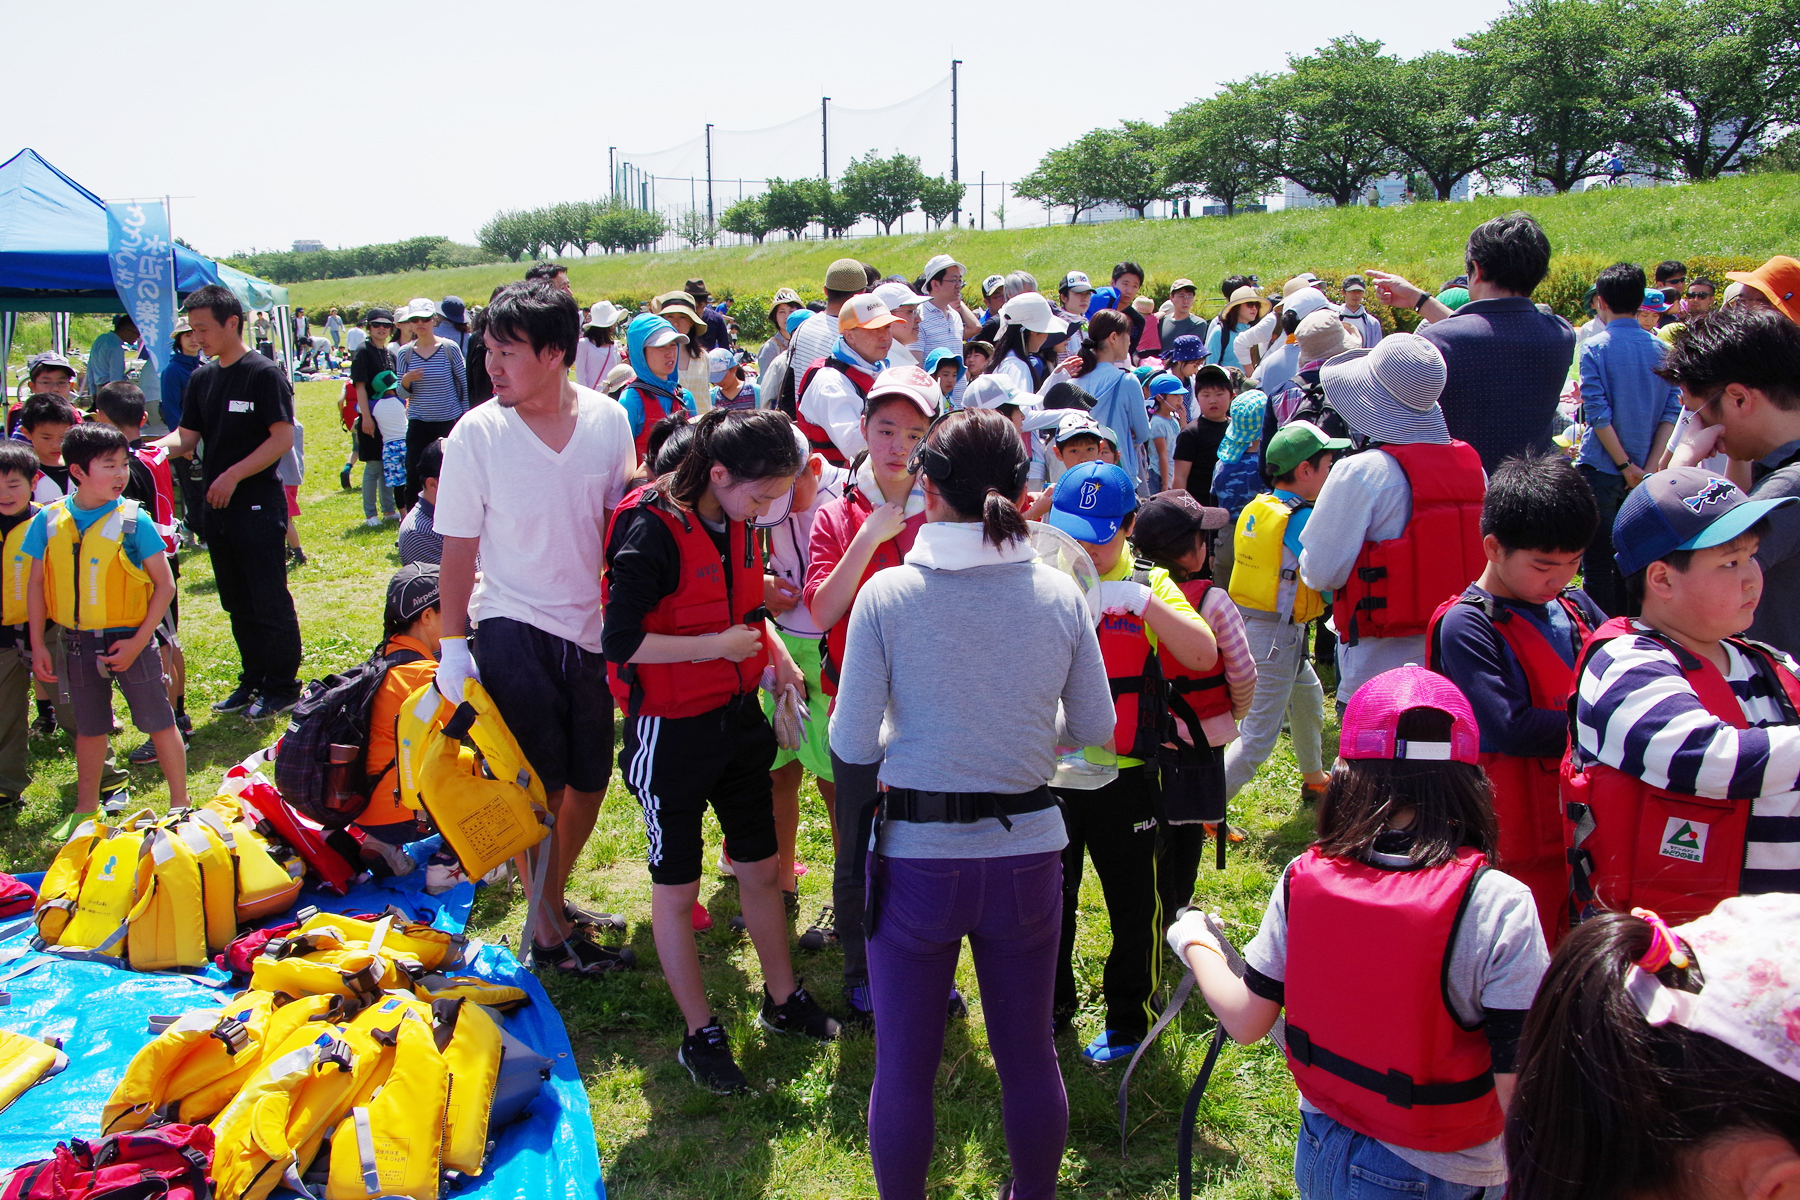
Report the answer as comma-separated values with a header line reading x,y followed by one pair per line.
x,y
552,694
675,766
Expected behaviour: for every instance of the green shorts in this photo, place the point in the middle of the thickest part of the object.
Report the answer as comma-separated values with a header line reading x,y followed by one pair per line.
x,y
815,754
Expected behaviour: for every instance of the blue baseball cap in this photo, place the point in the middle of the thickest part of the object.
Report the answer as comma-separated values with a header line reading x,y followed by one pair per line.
x,y
797,316
1163,384
943,354
1091,501
1683,508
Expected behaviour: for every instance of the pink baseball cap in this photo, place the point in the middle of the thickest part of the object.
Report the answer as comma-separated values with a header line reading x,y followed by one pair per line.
x,y
1372,718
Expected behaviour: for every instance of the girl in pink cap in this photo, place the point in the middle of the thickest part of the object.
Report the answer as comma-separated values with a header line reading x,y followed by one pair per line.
x,y
1402,962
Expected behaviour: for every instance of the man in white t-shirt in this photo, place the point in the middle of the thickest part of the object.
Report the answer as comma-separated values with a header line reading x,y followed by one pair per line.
x,y
529,483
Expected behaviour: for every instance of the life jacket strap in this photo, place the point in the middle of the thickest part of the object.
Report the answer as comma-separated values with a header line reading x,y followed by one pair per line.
x,y
1397,1087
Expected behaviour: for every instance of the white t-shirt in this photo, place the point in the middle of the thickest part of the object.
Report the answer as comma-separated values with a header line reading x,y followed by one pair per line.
x,y
540,515
354,338
390,418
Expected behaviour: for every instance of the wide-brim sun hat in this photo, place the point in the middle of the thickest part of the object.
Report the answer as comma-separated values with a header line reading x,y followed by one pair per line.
x,y
604,315
618,377
1248,295
1389,393
678,302
1031,311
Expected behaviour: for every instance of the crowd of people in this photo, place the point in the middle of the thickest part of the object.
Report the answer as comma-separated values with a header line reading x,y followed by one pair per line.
x,y
1039,583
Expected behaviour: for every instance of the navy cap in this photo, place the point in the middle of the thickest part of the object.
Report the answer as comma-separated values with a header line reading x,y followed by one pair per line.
x,y
1682,508
1091,501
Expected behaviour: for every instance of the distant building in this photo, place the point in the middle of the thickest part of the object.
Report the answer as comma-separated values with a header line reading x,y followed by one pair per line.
x,y
308,245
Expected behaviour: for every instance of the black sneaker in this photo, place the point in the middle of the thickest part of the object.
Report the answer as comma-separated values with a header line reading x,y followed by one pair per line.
x,y
859,1005
184,723
706,1053
956,1008
270,705
800,1014
145,754
115,802
296,557
44,726
821,931
241,697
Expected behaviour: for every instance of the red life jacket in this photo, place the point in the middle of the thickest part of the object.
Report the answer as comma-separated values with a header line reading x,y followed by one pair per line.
x,y
1645,847
890,553
1396,585
716,592
1535,834
1195,695
1135,672
654,410
1371,1038
817,436
157,460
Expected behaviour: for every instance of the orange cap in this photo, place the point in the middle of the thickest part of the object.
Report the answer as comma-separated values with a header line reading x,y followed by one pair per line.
x,y
865,311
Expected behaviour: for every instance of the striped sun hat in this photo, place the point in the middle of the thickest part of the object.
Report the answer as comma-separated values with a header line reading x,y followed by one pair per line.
x,y
1390,393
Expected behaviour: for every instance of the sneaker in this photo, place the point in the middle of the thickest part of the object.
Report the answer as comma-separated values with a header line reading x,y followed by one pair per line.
x,y
115,802
373,523
184,723
395,858
271,705
822,930
44,726
297,557
344,477
800,1014
702,919
241,698
145,754
1109,1047
725,867
706,1053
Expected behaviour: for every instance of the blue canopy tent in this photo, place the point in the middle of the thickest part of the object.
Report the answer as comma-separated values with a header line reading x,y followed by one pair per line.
x,y
53,254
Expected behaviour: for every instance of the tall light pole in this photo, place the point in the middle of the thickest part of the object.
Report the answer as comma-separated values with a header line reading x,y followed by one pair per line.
x,y
824,139
612,175
956,217
709,204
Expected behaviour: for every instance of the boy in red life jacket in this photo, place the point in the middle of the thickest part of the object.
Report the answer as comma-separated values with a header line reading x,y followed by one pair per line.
x,y
1205,706
121,404
653,348
1396,528
1402,961
1145,620
833,392
1684,780
868,529
1510,642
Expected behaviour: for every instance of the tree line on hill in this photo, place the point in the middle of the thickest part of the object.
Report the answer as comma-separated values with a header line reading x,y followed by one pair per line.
x,y
1552,92
387,258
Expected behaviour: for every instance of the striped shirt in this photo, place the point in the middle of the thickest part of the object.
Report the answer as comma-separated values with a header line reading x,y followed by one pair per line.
x,y
940,329
442,393
1227,625
1638,714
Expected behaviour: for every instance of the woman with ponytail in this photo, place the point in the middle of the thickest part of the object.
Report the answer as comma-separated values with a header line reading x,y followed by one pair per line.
x,y
968,839
687,644
1662,1062
1118,397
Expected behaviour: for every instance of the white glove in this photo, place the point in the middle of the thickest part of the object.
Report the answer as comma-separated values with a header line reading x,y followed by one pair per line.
x,y
1120,596
1189,927
454,665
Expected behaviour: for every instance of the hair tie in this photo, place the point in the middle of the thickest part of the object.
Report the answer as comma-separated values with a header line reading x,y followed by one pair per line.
x,y
1664,949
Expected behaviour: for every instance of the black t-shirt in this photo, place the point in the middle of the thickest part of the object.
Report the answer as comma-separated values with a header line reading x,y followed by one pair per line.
x,y
1198,444
232,409
370,360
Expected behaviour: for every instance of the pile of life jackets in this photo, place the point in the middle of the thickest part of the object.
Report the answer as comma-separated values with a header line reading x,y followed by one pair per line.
x,y
353,1066
163,892
26,1062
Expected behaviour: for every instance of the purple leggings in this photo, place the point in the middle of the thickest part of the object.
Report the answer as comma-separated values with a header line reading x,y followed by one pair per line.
x,y
1009,909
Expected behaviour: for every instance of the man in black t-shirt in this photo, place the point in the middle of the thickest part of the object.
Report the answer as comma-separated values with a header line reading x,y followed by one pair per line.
x,y
242,406
371,359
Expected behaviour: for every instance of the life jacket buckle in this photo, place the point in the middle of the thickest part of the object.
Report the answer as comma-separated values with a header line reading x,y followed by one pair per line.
x,y
1299,1046
1399,1089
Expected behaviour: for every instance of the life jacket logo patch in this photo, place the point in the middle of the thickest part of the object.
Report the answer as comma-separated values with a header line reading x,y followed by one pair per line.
x,y
1250,525
112,865
1685,840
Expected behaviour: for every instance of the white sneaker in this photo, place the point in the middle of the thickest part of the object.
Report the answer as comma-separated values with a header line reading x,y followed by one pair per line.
x,y
373,523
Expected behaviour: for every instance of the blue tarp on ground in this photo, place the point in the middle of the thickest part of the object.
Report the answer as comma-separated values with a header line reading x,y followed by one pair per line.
x,y
101,1013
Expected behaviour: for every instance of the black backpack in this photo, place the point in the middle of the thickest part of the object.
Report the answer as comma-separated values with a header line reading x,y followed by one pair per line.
x,y
319,760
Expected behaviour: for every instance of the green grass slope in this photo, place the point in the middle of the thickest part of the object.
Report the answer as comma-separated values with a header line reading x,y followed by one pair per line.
x,y
1750,216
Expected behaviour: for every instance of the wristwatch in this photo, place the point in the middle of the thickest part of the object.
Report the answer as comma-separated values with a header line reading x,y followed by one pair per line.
x,y
1423,297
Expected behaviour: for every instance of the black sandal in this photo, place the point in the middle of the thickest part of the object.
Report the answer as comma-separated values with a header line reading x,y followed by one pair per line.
x,y
590,923
589,959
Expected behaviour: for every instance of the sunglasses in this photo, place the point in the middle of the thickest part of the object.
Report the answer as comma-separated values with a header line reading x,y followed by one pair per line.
x,y
1699,295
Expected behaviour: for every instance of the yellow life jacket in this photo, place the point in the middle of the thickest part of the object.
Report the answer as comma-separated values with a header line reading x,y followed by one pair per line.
x,y
24,1062
487,802
173,1075
413,941
117,874
390,1142
15,572
167,925
58,894
211,841
497,996
89,580
292,1098
472,1052
1257,576
320,966
265,885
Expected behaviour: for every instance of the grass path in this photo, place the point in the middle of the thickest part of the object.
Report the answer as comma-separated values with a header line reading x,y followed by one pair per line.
x,y
804,1132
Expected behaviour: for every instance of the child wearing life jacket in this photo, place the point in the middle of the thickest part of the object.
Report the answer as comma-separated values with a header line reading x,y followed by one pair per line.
x,y
101,574
1401,960
1662,1062
653,348
1173,531
687,642
1278,608
1147,630
18,467
869,528
1684,779
121,404
1510,642
410,627
1396,529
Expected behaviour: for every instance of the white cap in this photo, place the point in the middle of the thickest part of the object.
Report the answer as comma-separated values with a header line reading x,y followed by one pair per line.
x,y
718,362
1032,311
938,265
897,295
665,336
991,391
416,307
1077,281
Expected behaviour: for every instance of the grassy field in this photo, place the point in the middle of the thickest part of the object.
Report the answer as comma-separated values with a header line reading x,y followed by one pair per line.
x,y
1753,216
803,1133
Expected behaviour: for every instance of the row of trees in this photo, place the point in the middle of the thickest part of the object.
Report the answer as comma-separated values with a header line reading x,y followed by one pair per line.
x,y
611,225
1549,94
388,258
881,189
